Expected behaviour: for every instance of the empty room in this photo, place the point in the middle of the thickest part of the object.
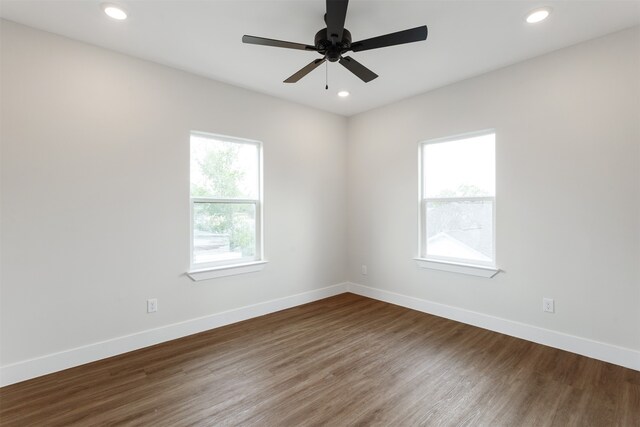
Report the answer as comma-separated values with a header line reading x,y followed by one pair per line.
x,y
320,212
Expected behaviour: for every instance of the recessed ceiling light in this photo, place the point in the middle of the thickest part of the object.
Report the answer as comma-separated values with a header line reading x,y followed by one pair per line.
x,y
343,94
114,12
538,15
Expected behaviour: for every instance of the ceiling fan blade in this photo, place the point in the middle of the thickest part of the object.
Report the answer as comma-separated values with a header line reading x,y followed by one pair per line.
x,y
276,43
365,74
336,14
305,70
401,37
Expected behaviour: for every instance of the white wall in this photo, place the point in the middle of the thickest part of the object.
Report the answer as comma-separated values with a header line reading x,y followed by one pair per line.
x,y
95,194
568,190
94,198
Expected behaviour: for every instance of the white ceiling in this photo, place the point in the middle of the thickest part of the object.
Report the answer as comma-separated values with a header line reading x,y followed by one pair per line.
x,y
466,38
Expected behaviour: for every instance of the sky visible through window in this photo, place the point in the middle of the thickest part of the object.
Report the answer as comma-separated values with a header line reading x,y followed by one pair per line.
x,y
459,168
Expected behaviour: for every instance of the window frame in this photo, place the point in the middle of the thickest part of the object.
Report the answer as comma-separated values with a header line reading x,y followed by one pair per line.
x,y
258,203
432,260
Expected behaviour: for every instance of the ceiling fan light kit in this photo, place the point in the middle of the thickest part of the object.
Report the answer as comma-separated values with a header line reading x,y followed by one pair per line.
x,y
334,41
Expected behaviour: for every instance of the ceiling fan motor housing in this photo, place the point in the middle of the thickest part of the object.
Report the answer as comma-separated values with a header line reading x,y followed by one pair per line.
x,y
327,48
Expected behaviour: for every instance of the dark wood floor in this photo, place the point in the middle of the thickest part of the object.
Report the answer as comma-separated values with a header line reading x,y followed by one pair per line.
x,y
345,360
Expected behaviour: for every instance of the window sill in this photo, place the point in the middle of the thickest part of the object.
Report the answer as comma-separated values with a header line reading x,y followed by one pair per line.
x,y
226,270
472,270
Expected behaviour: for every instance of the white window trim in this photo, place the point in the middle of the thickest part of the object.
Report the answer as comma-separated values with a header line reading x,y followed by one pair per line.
x,y
211,270
455,265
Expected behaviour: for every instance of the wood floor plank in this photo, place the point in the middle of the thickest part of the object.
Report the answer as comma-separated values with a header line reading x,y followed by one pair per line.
x,y
345,360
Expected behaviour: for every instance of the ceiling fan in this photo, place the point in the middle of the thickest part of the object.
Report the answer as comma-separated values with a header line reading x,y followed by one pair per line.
x,y
335,40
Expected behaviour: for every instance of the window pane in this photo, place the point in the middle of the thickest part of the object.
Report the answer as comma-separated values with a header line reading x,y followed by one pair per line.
x,y
460,229
460,168
223,231
222,169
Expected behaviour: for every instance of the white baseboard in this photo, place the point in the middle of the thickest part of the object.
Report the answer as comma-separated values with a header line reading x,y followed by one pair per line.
x,y
39,366
597,350
50,363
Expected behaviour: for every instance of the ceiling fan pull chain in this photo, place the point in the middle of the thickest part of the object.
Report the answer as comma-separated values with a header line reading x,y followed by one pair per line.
x,y
326,76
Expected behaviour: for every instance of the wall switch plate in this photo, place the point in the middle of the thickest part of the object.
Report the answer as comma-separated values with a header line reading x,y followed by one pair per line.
x,y
152,305
547,305
364,270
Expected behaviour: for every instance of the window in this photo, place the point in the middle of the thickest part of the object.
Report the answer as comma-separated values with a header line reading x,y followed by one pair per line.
x,y
457,200
226,204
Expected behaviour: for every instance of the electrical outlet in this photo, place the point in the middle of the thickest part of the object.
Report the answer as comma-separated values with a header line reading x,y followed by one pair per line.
x,y
364,270
152,305
548,305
